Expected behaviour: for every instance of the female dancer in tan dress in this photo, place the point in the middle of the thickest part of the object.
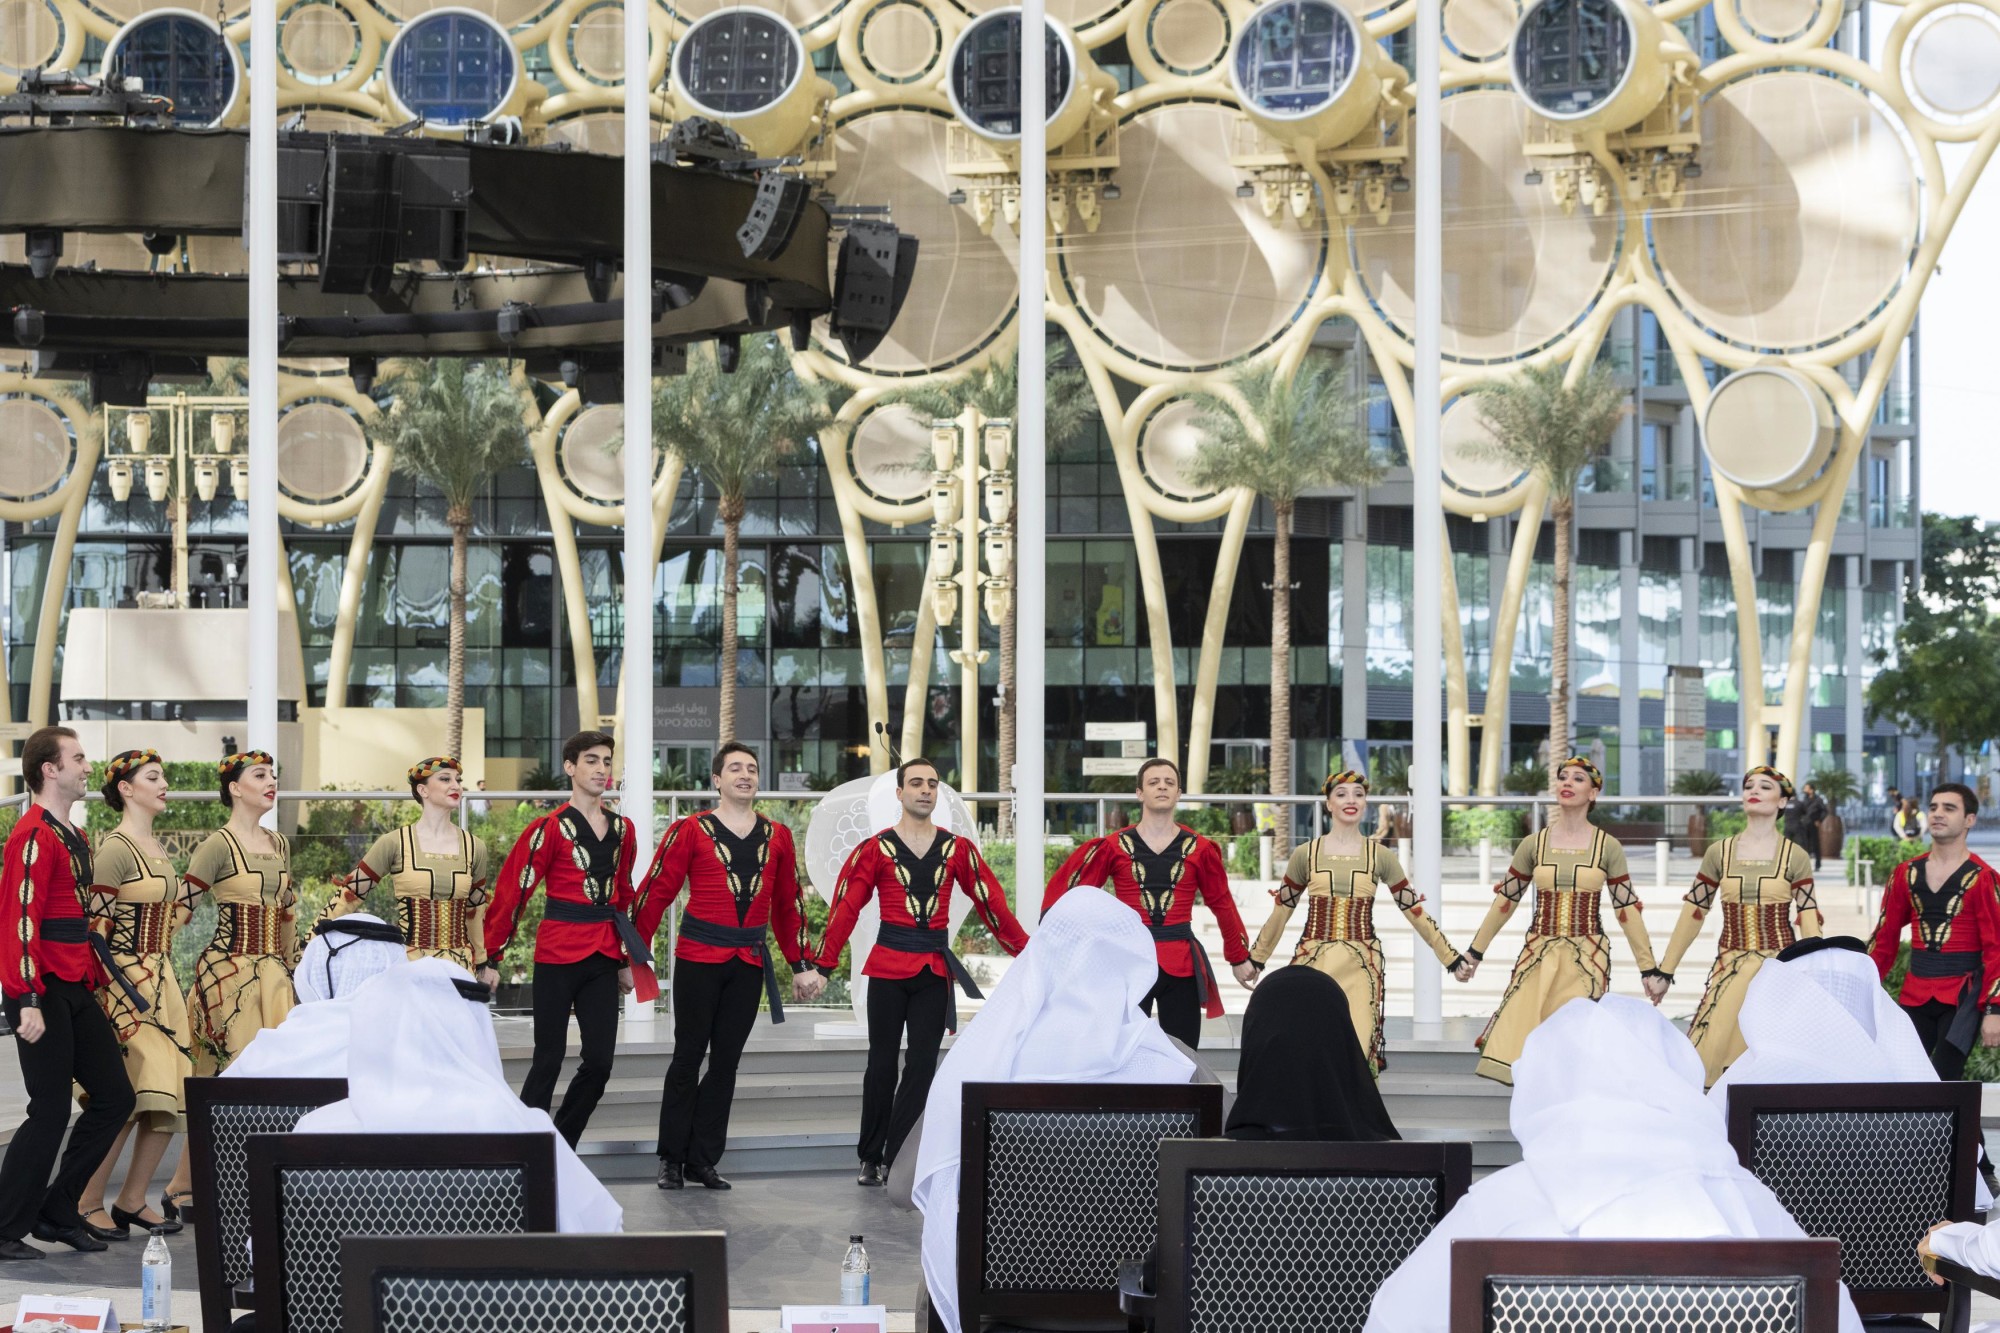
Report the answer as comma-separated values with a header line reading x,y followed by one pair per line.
x,y
137,902
243,979
1570,865
436,870
1762,878
1336,875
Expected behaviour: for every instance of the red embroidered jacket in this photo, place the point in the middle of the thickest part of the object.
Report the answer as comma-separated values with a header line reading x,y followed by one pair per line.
x,y
553,851
1972,924
1195,868
876,866
693,854
45,879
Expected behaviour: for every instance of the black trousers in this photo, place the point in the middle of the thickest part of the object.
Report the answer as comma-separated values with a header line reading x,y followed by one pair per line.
x,y
715,1006
1180,1008
77,1044
1931,1019
590,988
890,1109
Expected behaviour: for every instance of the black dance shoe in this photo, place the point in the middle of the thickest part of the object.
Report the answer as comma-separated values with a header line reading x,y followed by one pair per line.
x,y
872,1174
116,1231
76,1236
138,1219
708,1177
670,1177
19,1251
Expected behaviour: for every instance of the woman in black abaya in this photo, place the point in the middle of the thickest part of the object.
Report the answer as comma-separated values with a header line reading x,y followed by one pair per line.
x,y
1303,1074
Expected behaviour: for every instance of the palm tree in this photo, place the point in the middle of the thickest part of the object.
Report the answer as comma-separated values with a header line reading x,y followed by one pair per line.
x,y
994,390
1554,429
454,423
1294,433
733,428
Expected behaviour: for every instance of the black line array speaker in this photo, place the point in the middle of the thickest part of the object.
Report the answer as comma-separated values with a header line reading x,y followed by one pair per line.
x,y
871,278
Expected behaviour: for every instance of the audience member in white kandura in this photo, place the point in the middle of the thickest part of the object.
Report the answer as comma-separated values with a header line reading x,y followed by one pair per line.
x,y
311,1042
1066,1012
1817,1013
1617,1143
429,1062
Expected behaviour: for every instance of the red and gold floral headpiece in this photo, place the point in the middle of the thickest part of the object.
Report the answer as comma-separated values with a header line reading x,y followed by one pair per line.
x,y
232,766
1578,761
1784,783
421,771
127,762
1345,775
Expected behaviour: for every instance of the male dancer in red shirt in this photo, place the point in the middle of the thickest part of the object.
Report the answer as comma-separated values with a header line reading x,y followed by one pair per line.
x,y
1947,901
913,865
587,952
1157,867
741,874
47,972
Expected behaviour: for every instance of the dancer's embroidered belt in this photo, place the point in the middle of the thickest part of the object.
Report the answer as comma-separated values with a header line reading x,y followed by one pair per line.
x,y
1573,913
1765,926
1205,991
436,923
644,984
249,928
719,936
1332,918
75,930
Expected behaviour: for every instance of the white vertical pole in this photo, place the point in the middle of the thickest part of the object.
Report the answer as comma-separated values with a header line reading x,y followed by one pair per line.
x,y
638,701
1031,460
1427,632
261,231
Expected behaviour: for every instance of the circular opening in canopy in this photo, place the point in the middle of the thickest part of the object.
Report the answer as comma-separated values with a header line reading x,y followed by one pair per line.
x,y
1295,57
453,67
1572,56
985,73
737,61
181,56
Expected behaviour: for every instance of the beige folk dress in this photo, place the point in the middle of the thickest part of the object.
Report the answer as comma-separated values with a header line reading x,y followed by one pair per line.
x,y
1759,898
243,977
440,896
1566,954
137,902
1339,937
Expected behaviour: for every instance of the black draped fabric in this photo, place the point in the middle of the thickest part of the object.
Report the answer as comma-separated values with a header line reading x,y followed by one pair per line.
x,y
1303,1074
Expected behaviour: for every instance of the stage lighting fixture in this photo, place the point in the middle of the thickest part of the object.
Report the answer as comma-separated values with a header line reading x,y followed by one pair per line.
x,y
513,317
44,247
1593,64
120,379
239,478
158,473
599,277
729,352
774,215
222,432
161,243
871,279
1111,191
29,326
207,475
802,331
983,78
121,480
362,370
139,431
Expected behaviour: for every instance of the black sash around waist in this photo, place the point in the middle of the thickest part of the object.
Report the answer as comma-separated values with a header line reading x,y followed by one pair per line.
x,y
1963,1029
595,914
75,930
717,935
920,939
1204,972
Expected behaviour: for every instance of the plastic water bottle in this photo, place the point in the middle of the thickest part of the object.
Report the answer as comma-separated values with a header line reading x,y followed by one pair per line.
x,y
156,1285
854,1274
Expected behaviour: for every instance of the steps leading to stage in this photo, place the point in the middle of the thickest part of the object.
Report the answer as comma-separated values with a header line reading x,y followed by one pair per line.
x,y
798,1097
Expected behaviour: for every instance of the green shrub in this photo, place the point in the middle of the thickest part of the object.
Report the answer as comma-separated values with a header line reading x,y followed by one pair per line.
x,y
1881,855
1464,828
1726,823
1526,778
1698,782
1241,853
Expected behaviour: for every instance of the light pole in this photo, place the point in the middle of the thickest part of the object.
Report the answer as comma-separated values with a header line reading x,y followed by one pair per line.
x,y
970,457
201,434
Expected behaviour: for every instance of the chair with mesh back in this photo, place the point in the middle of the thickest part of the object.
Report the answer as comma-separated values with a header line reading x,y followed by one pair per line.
x,y
1659,1286
1875,1166
1286,1235
222,1114
1057,1183
310,1192
536,1284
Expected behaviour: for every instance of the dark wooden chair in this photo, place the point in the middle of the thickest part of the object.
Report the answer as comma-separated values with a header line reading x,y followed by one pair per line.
x,y
672,1283
1662,1286
1286,1235
1959,1275
222,1114
1875,1166
1057,1183
310,1192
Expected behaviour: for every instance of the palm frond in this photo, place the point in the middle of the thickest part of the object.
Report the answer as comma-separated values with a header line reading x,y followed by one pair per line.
x,y
1296,433
454,423
735,428
1547,427
995,390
